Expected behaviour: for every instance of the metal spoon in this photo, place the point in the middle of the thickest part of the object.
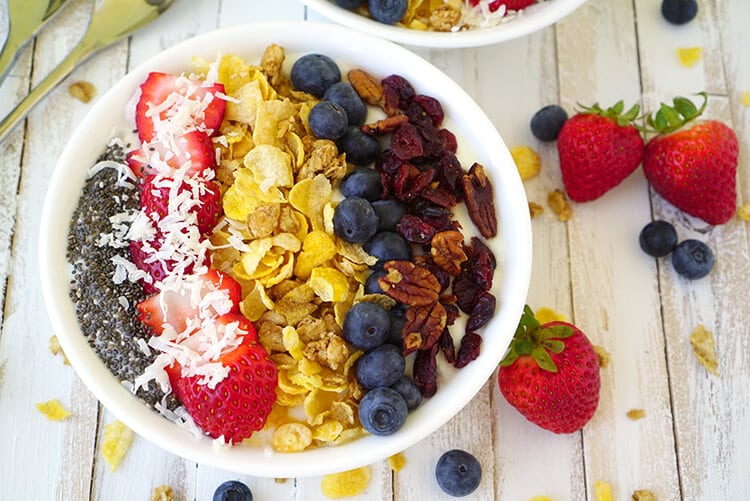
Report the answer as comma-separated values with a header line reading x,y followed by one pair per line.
x,y
25,19
111,20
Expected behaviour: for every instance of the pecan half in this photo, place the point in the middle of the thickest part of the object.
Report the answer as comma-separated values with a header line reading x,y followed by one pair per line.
x,y
409,284
448,251
479,200
368,88
386,125
423,327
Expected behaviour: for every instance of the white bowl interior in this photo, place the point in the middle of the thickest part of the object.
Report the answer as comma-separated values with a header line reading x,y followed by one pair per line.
x,y
533,18
479,141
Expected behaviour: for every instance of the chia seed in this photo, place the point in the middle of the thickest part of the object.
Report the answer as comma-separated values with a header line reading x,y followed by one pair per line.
x,y
105,310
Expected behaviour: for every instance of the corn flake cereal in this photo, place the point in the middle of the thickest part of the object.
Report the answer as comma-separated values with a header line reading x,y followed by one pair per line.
x,y
346,483
603,357
545,314
291,437
162,493
527,161
56,349
689,56
643,495
559,204
602,491
53,410
276,239
744,212
636,414
704,349
117,440
397,461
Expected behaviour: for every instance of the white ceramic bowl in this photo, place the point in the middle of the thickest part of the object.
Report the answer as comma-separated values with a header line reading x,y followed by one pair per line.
x,y
533,18
478,141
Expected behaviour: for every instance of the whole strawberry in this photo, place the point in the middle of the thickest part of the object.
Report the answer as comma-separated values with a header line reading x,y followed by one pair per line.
x,y
240,403
551,374
693,164
598,149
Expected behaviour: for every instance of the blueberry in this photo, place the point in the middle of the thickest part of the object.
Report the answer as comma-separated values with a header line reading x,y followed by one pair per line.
x,y
388,11
354,220
349,4
388,246
382,411
692,259
658,238
547,122
360,148
389,211
371,284
407,389
381,366
679,11
398,319
233,490
362,182
458,473
314,73
327,120
343,94
366,325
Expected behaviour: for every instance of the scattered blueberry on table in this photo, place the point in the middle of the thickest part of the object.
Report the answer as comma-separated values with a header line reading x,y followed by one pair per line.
x,y
458,473
233,490
679,11
658,238
547,122
692,259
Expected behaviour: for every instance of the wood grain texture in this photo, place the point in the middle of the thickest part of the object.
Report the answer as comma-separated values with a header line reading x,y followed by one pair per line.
x,y
692,444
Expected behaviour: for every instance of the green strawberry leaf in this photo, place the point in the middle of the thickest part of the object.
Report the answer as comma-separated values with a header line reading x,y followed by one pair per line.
x,y
509,358
554,332
542,358
670,118
554,345
685,107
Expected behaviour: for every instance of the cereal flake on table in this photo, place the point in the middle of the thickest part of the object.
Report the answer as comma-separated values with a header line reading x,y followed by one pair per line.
x,y
602,356
704,349
162,493
689,56
346,483
636,414
397,461
643,495
559,204
602,491
56,349
117,440
53,410
527,161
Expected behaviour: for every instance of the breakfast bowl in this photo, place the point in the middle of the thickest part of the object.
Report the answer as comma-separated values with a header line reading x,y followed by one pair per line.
x,y
476,141
477,26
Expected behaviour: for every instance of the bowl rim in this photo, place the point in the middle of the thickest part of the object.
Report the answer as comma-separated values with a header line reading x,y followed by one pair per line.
x,y
60,202
540,17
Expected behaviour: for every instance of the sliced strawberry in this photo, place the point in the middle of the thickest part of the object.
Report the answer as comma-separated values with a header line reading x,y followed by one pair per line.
x,y
207,210
237,406
158,89
155,157
139,253
175,307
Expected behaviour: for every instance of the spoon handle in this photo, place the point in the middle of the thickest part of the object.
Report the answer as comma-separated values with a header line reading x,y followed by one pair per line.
x,y
13,44
79,53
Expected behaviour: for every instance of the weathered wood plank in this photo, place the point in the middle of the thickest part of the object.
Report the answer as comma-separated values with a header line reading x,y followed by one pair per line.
x,y
711,428
614,287
511,89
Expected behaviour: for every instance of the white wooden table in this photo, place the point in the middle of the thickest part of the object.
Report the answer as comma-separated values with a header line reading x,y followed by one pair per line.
x,y
694,442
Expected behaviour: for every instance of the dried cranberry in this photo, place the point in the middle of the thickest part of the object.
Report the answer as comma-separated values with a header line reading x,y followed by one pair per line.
x,y
469,349
442,223
419,117
483,310
414,230
387,181
388,162
406,142
423,208
425,371
451,311
401,88
411,182
450,144
447,347
481,267
432,107
478,246
439,196
450,173
466,291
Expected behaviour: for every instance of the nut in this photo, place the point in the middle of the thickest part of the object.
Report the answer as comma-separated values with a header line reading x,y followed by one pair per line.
x,y
448,251
386,125
82,90
423,327
479,200
368,88
409,284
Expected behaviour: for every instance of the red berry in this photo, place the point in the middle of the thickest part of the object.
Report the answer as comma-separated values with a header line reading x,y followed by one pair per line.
x,y
204,201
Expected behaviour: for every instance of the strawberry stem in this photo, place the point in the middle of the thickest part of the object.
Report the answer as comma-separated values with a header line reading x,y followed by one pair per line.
x,y
614,112
670,118
537,340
